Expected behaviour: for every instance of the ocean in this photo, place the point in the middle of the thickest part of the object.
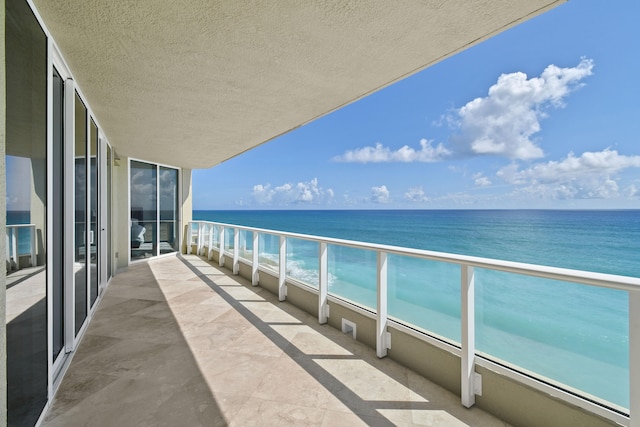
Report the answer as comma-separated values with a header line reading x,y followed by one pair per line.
x,y
570,334
24,234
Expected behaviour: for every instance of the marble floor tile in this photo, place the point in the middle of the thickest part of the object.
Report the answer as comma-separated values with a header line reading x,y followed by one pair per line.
x,y
179,341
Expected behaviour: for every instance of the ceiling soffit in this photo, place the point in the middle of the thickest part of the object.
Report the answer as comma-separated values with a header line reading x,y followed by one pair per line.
x,y
193,82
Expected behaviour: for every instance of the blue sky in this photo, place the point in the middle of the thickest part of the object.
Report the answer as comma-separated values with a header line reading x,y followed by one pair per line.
x,y
544,115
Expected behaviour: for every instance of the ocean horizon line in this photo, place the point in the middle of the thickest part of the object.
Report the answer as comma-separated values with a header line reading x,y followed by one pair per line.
x,y
427,210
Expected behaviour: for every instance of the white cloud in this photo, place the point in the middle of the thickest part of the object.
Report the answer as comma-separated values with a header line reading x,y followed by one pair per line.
x,y
427,153
416,194
591,175
504,122
302,192
480,180
262,193
380,194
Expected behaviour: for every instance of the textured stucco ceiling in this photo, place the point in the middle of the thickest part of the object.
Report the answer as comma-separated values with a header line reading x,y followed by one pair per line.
x,y
195,82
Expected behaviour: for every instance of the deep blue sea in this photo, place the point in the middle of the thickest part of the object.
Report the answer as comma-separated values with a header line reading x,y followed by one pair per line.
x,y
570,334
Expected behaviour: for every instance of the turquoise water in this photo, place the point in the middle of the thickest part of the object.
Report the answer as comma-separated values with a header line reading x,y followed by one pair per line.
x,y
571,334
24,234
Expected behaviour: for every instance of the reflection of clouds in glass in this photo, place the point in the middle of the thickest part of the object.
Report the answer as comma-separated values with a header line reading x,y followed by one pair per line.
x,y
18,195
168,193
80,179
168,183
143,187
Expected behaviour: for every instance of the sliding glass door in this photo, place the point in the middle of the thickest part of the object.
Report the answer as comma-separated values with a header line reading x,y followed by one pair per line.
x,y
168,210
57,228
57,232
27,201
80,229
154,219
94,228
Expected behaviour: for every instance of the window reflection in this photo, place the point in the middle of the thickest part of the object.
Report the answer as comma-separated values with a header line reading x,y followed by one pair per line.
x,y
154,210
26,203
144,210
168,210
80,250
94,233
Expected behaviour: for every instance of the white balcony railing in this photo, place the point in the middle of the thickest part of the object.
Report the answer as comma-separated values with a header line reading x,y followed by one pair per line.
x,y
13,252
204,234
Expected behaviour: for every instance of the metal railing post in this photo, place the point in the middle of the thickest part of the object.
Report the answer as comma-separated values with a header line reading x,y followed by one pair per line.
x,y
221,249
256,259
323,283
282,287
210,251
14,247
8,247
467,290
200,238
382,336
236,251
189,237
634,356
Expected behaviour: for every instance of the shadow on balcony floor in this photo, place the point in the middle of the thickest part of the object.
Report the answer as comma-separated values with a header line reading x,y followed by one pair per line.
x,y
177,341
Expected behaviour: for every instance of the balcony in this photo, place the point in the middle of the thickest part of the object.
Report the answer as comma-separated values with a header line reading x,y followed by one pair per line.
x,y
179,341
238,334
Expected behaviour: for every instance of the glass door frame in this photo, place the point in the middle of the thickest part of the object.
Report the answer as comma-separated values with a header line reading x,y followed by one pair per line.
x,y
178,221
71,338
104,204
55,61
58,363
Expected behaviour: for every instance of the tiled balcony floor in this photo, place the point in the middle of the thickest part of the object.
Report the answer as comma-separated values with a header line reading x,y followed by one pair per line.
x,y
178,342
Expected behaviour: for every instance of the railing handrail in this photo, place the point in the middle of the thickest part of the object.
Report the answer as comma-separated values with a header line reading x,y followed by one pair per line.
x,y
467,282
602,280
20,225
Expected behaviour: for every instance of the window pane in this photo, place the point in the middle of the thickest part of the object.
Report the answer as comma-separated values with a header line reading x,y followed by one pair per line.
x,y
58,215
144,211
94,233
168,210
26,202
108,224
80,265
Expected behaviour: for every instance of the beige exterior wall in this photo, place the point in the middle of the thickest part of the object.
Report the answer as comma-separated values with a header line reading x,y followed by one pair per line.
x,y
268,282
365,326
524,406
302,298
3,226
440,366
